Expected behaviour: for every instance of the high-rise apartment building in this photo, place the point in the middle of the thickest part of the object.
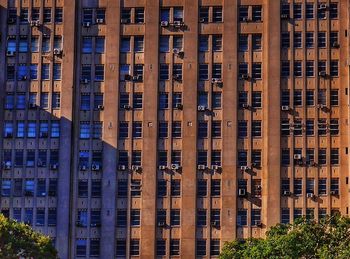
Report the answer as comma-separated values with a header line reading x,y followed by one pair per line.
x,y
164,128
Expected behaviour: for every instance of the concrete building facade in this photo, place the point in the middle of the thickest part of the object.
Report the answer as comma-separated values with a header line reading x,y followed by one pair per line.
x,y
164,128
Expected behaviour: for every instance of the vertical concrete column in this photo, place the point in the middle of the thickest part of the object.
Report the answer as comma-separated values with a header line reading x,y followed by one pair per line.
x,y
271,114
65,151
229,126
110,130
150,111
189,144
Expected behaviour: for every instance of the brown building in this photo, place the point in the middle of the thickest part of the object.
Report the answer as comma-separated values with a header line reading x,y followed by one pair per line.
x,y
164,128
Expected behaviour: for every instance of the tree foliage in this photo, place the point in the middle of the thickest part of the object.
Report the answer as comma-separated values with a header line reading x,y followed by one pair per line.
x,y
18,240
330,238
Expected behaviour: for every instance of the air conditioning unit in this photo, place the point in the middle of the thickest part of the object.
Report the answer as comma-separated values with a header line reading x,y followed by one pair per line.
x,y
136,168
57,52
137,78
86,24
100,21
84,81
334,192
202,20
10,53
314,164
83,168
179,106
177,24
310,195
32,106
121,167
201,108
258,223
284,16
217,81
162,167
201,167
285,108
322,106
164,23
128,77
7,165
124,20
245,168
215,224
54,166
43,135
8,135
335,45
161,223
297,156
11,20
126,107
245,76
95,167
175,167
241,192
322,73
286,193
23,78
177,77
245,106
216,167
100,107
322,7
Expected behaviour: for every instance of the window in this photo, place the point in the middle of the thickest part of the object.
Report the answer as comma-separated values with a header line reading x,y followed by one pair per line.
x,y
334,97
297,213
177,99
126,15
334,156
11,72
285,157
334,39
47,15
124,44
57,71
45,72
81,247
201,247
215,218
174,247
257,42
297,11
100,45
298,101
204,14
256,217
297,40
175,217
334,71
242,219
178,14
309,40
243,13
23,44
202,157
322,156
175,187
24,15
139,15
309,11
134,247
177,71
335,186
242,129
216,129
256,100
135,188
333,10
310,98
202,188
94,247
163,101
6,188
137,101
176,129
138,42
309,68
121,247
203,72
256,128
309,127
298,186
217,14
285,187
215,187
58,15
46,47
121,218
257,13
137,129
310,185
322,186
298,68
334,127
135,218
242,158
161,247
40,217
322,39
243,42
163,43
203,43
217,42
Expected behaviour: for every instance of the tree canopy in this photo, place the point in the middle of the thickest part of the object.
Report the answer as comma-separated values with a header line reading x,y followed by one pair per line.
x,y
329,238
18,240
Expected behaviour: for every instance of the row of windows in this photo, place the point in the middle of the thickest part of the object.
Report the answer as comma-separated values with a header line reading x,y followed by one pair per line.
x,y
310,214
298,127
22,46
41,218
34,14
31,129
308,10
310,186
309,65
309,39
309,95
310,158
28,187
95,218
31,158
81,247
23,72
